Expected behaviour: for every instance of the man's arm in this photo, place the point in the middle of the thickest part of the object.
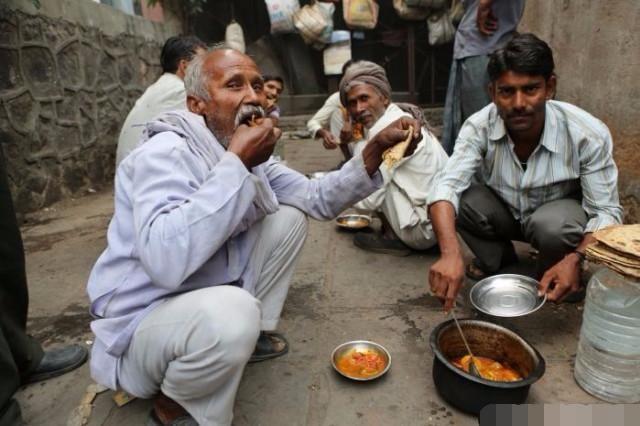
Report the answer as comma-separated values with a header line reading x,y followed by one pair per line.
x,y
599,183
180,225
447,274
326,197
563,278
321,118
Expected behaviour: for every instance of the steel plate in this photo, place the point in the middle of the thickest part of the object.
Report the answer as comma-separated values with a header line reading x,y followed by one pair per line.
x,y
507,295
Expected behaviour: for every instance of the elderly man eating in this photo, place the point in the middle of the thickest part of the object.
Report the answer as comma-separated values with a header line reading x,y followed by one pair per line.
x,y
401,202
203,244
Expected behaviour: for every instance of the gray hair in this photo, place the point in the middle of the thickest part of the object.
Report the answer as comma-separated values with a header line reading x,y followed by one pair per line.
x,y
195,79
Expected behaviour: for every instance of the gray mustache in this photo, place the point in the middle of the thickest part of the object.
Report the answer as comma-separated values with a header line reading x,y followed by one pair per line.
x,y
246,111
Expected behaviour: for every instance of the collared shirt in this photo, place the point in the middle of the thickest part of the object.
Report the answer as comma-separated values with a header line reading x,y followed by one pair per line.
x,y
166,94
184,210
573,158
470,42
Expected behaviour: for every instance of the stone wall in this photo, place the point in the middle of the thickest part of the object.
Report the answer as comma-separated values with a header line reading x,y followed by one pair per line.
x,y
596,45
70,73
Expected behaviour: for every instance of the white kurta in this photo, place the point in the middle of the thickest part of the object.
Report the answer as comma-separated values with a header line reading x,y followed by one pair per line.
x,y
166,94
403,196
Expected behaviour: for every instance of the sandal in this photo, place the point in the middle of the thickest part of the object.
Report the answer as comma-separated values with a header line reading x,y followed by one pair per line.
x,y
185,420
474,271
269,345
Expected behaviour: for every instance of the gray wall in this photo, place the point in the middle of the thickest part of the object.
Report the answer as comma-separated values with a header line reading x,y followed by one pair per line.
x,y
70,73
596,44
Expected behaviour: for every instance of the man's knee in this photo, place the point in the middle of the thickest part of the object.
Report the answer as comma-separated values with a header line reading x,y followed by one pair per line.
x,y
232,333
471,213
295,222
555,230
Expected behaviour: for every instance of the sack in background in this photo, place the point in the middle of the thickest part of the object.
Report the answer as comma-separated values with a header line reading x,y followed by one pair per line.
x,y
410,13
314,22
441,28
233,37
360,13
281,15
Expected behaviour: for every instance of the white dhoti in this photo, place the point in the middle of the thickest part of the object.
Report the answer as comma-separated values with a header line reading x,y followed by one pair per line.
x,y
194,347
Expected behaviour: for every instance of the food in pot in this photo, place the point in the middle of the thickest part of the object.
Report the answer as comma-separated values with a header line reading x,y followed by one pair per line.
x,y
488,368
361,363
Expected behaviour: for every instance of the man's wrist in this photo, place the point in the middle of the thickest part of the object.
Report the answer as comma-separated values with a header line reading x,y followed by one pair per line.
x,y
578,256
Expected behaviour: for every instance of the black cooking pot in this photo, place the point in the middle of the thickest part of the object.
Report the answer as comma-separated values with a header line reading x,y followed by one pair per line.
x,y
470,393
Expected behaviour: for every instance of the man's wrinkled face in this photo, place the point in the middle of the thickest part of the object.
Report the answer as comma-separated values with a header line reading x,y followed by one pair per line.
x,y
521,99
236,92
365,104
272,90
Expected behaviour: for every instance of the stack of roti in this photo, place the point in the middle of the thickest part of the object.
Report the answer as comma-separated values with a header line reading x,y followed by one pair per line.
x,y
618,248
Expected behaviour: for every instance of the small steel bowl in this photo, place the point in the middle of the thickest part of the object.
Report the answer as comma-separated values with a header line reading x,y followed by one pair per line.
x,y
353,221
360,345
506,295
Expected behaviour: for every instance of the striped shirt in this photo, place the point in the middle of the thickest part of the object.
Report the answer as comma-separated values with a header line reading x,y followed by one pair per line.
x,y
573,159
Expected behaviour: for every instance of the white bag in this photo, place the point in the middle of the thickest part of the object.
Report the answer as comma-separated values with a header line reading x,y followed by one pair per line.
x,y
281,15
233,37
441,29
314,22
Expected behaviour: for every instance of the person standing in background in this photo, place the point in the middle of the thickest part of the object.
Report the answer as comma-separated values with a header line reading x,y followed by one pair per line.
x,y
485,26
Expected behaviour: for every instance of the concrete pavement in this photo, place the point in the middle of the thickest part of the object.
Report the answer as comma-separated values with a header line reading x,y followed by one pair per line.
x,y
339,293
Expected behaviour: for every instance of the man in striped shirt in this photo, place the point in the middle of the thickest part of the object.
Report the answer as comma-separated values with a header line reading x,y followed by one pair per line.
x,y
525,168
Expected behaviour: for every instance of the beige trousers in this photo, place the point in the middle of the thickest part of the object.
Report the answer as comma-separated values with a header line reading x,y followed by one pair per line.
x,y
194,347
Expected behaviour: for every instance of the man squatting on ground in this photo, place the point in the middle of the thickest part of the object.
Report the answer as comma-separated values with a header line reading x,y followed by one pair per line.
x,y
546,172
401,202
203,243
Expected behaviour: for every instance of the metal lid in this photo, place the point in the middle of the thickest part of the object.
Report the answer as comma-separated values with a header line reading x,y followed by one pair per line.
x,y
507,295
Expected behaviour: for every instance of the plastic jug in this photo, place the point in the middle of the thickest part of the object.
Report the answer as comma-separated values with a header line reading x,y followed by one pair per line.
x,y
608,357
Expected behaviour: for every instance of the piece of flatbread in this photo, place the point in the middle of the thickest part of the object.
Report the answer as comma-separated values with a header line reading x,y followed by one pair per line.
x,y
598,251
623,238
394,154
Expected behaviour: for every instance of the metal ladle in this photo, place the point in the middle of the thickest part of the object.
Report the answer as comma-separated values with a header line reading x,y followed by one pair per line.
x,y
473,370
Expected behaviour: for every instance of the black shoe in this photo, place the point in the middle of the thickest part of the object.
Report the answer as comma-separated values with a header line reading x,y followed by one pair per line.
x,y
377,244
57,362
